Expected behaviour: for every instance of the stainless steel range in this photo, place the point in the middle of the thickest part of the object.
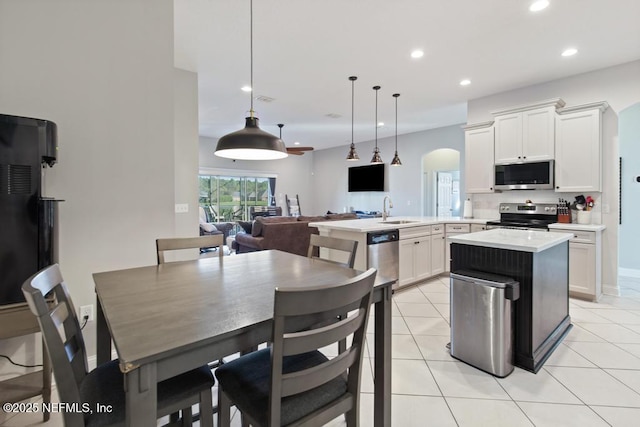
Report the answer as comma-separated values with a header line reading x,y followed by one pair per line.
x,y
526,216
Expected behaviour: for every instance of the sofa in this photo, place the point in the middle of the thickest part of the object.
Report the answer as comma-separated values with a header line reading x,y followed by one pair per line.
x,y
208,228
285,233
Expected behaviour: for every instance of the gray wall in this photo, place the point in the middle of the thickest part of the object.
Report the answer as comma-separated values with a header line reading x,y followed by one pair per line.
x,y
404,183
620,87
103,71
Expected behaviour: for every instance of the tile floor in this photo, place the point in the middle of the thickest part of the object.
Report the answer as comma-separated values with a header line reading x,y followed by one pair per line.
x,y
592,379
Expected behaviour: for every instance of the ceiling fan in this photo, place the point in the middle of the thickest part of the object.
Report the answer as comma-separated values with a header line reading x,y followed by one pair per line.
x,y
296,151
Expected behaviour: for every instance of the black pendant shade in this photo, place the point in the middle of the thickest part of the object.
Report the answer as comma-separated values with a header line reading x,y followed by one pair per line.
x,y
251,143
376,152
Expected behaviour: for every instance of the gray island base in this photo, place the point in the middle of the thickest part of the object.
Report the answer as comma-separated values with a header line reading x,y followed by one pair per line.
x,y
539,261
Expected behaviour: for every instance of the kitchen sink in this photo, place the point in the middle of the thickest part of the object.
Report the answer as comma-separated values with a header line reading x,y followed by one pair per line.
x,y
400,221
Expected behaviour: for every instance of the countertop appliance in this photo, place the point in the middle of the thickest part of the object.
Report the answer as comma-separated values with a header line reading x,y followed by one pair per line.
x,y
524,176
525,216
383,249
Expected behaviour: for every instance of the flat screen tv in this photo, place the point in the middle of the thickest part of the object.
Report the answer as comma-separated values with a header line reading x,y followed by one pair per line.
x,y
366,178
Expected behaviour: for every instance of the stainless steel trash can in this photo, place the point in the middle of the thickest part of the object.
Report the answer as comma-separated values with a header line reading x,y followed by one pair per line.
x,y
481,320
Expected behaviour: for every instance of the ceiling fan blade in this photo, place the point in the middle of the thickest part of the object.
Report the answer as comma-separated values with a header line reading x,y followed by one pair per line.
x,y
300,148
295,153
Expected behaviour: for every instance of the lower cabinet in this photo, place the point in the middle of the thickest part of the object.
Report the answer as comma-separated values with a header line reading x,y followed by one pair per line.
x,y
453,230
415,259
437,252
585,264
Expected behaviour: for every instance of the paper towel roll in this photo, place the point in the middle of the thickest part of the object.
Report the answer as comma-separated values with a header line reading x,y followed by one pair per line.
x,y
468,209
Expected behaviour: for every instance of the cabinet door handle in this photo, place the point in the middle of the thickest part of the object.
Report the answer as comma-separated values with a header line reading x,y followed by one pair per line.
x,y
557,187
416,243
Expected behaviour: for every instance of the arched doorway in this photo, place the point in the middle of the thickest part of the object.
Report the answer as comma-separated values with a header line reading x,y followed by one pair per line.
x,y
441,183
629,230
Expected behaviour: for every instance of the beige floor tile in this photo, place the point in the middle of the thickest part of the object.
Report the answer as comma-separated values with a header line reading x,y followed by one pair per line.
x,y
412,295
490,413
628,377
457,379
428,326
612,332
434,287
577,333
625,317
618,417
412,377
605,355
418,411
525,386
434,347
418,310
565,356
560,415
585,315
595,387
438,297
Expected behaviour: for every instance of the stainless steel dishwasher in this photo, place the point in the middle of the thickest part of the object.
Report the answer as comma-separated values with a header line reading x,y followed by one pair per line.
x,y
382,253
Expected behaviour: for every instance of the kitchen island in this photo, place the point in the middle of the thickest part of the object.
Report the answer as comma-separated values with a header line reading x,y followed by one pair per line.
x,y
539,261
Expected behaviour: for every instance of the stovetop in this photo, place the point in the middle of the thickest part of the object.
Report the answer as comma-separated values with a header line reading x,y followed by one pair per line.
x,y
526,215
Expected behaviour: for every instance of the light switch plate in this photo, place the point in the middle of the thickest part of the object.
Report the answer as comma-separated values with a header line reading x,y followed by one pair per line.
x,y
182,207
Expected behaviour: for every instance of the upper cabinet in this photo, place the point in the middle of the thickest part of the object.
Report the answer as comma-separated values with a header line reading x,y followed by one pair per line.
x,y
579,148
478,165
526,133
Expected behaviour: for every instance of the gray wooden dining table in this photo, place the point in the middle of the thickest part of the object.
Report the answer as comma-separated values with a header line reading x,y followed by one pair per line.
x,y
170,318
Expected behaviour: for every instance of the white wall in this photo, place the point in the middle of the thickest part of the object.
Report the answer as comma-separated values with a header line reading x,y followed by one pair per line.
x,y
294,173
404,183
620,87
103,71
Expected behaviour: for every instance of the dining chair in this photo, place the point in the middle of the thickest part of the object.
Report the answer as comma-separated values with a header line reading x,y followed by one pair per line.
x,y
104,385
347,247
180,243
292,382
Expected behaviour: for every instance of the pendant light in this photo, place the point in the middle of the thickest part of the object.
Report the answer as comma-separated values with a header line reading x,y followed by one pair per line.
x,y
353,155
251,143
376,152
396,160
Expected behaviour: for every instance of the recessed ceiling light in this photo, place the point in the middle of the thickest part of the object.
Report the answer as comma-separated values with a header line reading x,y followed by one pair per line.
x,y
246,88
380,124
296,143
570,51
465,82
538,5
417,53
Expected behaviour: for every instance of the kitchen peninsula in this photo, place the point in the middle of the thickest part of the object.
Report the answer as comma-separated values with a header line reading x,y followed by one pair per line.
x,y
418,252
539,261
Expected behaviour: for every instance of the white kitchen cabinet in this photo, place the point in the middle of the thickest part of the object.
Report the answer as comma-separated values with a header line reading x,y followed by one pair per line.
x,y
585,263
478,227
415,259
478,166
437,250
526,133
453,230
579,148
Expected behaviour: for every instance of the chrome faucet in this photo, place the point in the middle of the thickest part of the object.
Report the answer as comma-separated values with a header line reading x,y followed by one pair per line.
x,y
385,214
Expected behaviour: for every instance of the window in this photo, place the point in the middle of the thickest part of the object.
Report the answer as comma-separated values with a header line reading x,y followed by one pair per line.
x,y
228,198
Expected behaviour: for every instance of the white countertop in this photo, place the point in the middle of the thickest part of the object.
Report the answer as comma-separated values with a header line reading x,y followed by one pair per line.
x,y
515,240
577,227
376,224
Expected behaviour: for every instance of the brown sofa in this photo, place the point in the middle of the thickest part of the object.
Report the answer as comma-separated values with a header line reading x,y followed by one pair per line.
x,y
285,233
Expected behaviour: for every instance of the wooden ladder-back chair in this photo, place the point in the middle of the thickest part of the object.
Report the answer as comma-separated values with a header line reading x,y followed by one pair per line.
x,y
293,383
349,247
180,243
104,385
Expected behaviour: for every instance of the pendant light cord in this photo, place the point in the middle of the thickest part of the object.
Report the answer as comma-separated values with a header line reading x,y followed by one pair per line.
x,y
376,88
353,80
396,96
251,53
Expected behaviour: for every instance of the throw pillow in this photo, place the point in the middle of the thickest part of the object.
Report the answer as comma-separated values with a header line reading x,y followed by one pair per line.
x,y
208,227
246,226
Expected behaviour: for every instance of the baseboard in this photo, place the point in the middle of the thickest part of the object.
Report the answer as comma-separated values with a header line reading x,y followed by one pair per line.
x,y
611,290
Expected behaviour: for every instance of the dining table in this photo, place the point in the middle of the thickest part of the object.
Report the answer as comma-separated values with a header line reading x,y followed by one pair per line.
x,y
166,319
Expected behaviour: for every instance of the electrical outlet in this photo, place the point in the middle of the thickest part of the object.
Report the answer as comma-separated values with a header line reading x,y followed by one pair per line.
x,y
182,207
86,311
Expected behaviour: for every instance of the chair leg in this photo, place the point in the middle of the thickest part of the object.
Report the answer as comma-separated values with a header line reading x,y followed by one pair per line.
x,y
206,408
174,418
352,417
224,408
187,417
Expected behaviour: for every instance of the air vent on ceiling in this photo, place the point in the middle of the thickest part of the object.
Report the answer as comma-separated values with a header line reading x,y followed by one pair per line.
x,y
333,115
264,98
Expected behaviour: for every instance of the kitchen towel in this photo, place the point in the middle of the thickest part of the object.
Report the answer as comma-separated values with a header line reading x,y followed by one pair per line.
x,y
468,209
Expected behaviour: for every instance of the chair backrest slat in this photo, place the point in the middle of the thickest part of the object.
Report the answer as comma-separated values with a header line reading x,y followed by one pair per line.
x,y
180,243
347,247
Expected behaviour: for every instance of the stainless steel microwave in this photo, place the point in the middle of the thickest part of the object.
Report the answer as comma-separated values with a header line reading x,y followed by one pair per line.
x,y
524,176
